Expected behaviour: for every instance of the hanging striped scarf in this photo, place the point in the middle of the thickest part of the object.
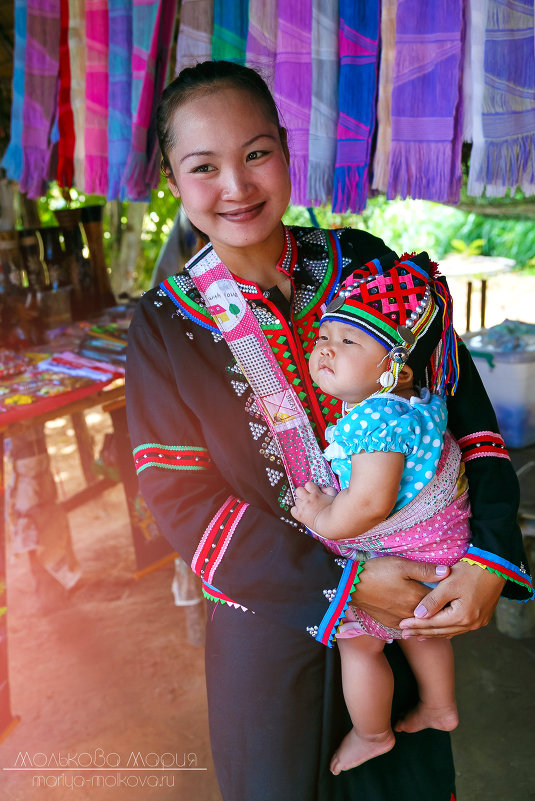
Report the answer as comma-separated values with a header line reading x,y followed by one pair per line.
x,y
231,21
503,151
120,91
41,80
96,93
293,86
384,101
359,40
195,33
77,64
324,111
66,143
152,29
12,161
161,67
262,38
426,102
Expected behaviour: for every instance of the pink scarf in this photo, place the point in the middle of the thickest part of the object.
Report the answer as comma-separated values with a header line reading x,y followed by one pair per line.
x,y
96,94
293,86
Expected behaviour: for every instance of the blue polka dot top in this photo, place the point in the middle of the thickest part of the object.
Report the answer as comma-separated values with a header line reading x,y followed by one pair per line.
x,y
388,422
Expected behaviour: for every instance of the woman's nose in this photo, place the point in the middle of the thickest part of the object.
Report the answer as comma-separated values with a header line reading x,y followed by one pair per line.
x,y
236,183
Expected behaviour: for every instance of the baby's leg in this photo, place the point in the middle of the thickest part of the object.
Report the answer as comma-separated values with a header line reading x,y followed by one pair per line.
x,y
368,687
432,664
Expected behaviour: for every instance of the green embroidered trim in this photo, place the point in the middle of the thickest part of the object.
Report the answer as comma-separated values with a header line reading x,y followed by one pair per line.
x,y
326,278
170,447
497,572
188,302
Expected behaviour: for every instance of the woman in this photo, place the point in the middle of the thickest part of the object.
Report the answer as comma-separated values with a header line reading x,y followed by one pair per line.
x,y
212,472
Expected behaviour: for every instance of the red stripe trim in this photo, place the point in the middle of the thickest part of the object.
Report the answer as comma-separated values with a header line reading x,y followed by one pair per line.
x,y
498,567
222,540
170,461
204,318
211,533
481,435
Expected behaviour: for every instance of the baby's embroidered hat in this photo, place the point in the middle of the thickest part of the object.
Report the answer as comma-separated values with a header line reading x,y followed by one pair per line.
x,y
407,308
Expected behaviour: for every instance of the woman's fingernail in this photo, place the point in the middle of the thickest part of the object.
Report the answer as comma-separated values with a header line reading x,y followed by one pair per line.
x,y
420,611
441,570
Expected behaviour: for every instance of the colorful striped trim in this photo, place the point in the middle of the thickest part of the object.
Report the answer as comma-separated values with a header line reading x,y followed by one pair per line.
x,y
213,594
171,457
505,569
189,307
216,538
328,626
482,443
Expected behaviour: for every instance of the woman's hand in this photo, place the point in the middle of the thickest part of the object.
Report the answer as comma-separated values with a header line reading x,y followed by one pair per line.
x,y
469,596
390,588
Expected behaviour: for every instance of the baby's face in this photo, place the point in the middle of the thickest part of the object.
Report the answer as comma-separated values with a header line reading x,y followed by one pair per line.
x,y
346,362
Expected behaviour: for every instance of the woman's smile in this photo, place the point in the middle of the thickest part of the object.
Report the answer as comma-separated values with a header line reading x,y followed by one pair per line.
x,y
244,214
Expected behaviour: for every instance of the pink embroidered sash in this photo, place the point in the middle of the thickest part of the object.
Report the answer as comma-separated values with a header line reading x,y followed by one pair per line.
x,y
282,410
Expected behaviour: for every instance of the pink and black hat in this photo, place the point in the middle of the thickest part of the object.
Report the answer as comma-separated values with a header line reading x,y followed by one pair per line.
x,y
407,309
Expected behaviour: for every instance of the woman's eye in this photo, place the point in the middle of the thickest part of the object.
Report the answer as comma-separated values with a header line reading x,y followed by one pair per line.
x,y
256,154
203,168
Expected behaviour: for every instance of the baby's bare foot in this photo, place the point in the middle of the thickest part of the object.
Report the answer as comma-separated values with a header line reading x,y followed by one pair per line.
x,y
445,718
355,749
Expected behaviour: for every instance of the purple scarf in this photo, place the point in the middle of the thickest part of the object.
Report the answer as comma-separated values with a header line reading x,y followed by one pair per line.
x,y
293,86
12,161
503,152
359,40
96,96
425,153
41,84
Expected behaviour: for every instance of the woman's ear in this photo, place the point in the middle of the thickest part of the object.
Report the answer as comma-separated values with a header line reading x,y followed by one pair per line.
x,y
405,377
284,141
171,183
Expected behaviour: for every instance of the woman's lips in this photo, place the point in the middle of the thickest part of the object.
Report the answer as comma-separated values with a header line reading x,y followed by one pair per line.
x,y
243,215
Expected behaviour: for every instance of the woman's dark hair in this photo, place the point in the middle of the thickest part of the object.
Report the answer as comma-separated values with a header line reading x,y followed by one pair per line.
x,y
203,78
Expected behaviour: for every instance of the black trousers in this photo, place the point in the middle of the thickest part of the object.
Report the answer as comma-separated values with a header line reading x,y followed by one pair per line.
x,y
277,714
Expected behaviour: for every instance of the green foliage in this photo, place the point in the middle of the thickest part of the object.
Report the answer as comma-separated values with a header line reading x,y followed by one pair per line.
x,y
405,225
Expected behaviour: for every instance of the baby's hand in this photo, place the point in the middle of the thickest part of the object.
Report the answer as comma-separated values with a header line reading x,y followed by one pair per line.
x,y
310,500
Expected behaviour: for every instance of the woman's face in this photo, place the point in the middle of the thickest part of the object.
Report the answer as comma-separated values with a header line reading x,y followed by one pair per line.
x,y
229,168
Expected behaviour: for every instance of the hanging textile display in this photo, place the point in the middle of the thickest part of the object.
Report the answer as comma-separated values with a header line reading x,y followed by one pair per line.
x,y
195,33
40,104
380,93
384,97
12,161
503,110
77,65
161,65
293,87
324,109
262,38
359,42
120,90
66,143
96,92
231,21
426,102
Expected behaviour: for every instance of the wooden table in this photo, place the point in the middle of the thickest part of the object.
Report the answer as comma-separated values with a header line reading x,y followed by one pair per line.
x,y
150,547
479,268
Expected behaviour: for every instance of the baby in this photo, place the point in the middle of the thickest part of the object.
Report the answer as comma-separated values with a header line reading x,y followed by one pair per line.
x,y
403,490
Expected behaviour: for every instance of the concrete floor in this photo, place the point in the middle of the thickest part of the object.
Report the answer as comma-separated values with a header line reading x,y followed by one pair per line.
x,y
494,745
